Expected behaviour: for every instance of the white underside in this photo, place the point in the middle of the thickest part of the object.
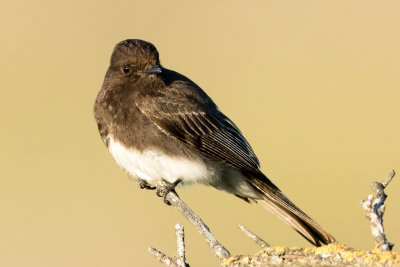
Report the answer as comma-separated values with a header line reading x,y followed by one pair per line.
x,y
153,165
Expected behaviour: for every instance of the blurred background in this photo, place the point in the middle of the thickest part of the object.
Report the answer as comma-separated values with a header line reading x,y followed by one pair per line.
x,y
314,86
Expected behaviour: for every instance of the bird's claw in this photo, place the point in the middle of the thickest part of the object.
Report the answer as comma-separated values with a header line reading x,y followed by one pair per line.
x,y
163,191
143,184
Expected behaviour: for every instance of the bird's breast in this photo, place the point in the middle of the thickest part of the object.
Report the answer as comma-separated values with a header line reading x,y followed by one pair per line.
x,y
153,165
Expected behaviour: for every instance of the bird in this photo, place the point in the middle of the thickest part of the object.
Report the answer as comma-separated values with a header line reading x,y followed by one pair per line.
x,y
161,126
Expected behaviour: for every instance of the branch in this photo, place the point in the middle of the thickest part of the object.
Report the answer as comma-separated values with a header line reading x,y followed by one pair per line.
x,y
180,259
259,241
218,250
180,245
161,257
333,254
330,255
374,206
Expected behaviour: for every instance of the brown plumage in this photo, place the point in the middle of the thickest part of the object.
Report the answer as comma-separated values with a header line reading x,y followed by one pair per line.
x,y
149,116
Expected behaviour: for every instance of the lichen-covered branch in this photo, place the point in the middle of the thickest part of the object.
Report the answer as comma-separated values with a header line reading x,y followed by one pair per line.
x,y
330,255
374,206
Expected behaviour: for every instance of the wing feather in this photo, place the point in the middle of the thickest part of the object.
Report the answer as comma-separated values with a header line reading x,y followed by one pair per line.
x,y
198,123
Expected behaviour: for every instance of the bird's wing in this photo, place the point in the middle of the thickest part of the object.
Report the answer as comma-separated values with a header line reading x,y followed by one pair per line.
x,y
186,113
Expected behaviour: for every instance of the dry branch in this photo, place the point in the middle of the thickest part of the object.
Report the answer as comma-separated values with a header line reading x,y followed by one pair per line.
x,y
219,250
161,257
374,206
180,259
259,241
180,245
330,255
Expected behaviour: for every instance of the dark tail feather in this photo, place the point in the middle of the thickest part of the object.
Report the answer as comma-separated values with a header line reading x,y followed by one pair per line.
x,y
280,205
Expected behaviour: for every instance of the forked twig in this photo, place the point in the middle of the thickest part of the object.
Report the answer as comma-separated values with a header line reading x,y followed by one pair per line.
x,y
219,250
180,259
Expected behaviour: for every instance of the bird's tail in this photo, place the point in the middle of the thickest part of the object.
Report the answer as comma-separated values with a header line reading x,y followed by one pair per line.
x,y
277,203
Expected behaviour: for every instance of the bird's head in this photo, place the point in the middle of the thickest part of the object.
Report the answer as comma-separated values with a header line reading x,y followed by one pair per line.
x,y
134,58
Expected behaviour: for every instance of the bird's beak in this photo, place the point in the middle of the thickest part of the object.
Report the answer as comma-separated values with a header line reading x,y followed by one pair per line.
x,y
153,70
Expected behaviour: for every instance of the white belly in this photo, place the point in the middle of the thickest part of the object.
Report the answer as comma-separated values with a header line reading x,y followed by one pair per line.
x,y
152,165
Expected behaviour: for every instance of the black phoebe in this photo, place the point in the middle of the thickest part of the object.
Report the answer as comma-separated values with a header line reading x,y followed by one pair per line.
x,y
158,124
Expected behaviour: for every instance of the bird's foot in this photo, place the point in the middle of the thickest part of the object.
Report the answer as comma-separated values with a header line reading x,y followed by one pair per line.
x,y
164,190
143,184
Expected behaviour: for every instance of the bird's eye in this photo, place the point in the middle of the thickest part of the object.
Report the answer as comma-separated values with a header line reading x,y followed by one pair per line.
x,y
126,69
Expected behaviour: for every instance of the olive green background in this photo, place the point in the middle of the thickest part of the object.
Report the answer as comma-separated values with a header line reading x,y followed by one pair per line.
x,y
314,86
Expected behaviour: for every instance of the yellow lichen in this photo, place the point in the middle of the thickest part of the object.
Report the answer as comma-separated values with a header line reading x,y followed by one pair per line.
x,y
280,249
348,255
227,260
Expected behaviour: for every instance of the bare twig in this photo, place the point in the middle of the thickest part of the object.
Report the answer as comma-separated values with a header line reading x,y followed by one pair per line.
x,y
180,245
387,180
259,241
180,259
161,257
219,250
375,209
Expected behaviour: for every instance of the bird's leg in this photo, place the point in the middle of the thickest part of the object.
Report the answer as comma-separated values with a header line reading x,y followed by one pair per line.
x,y
143,184
164,190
